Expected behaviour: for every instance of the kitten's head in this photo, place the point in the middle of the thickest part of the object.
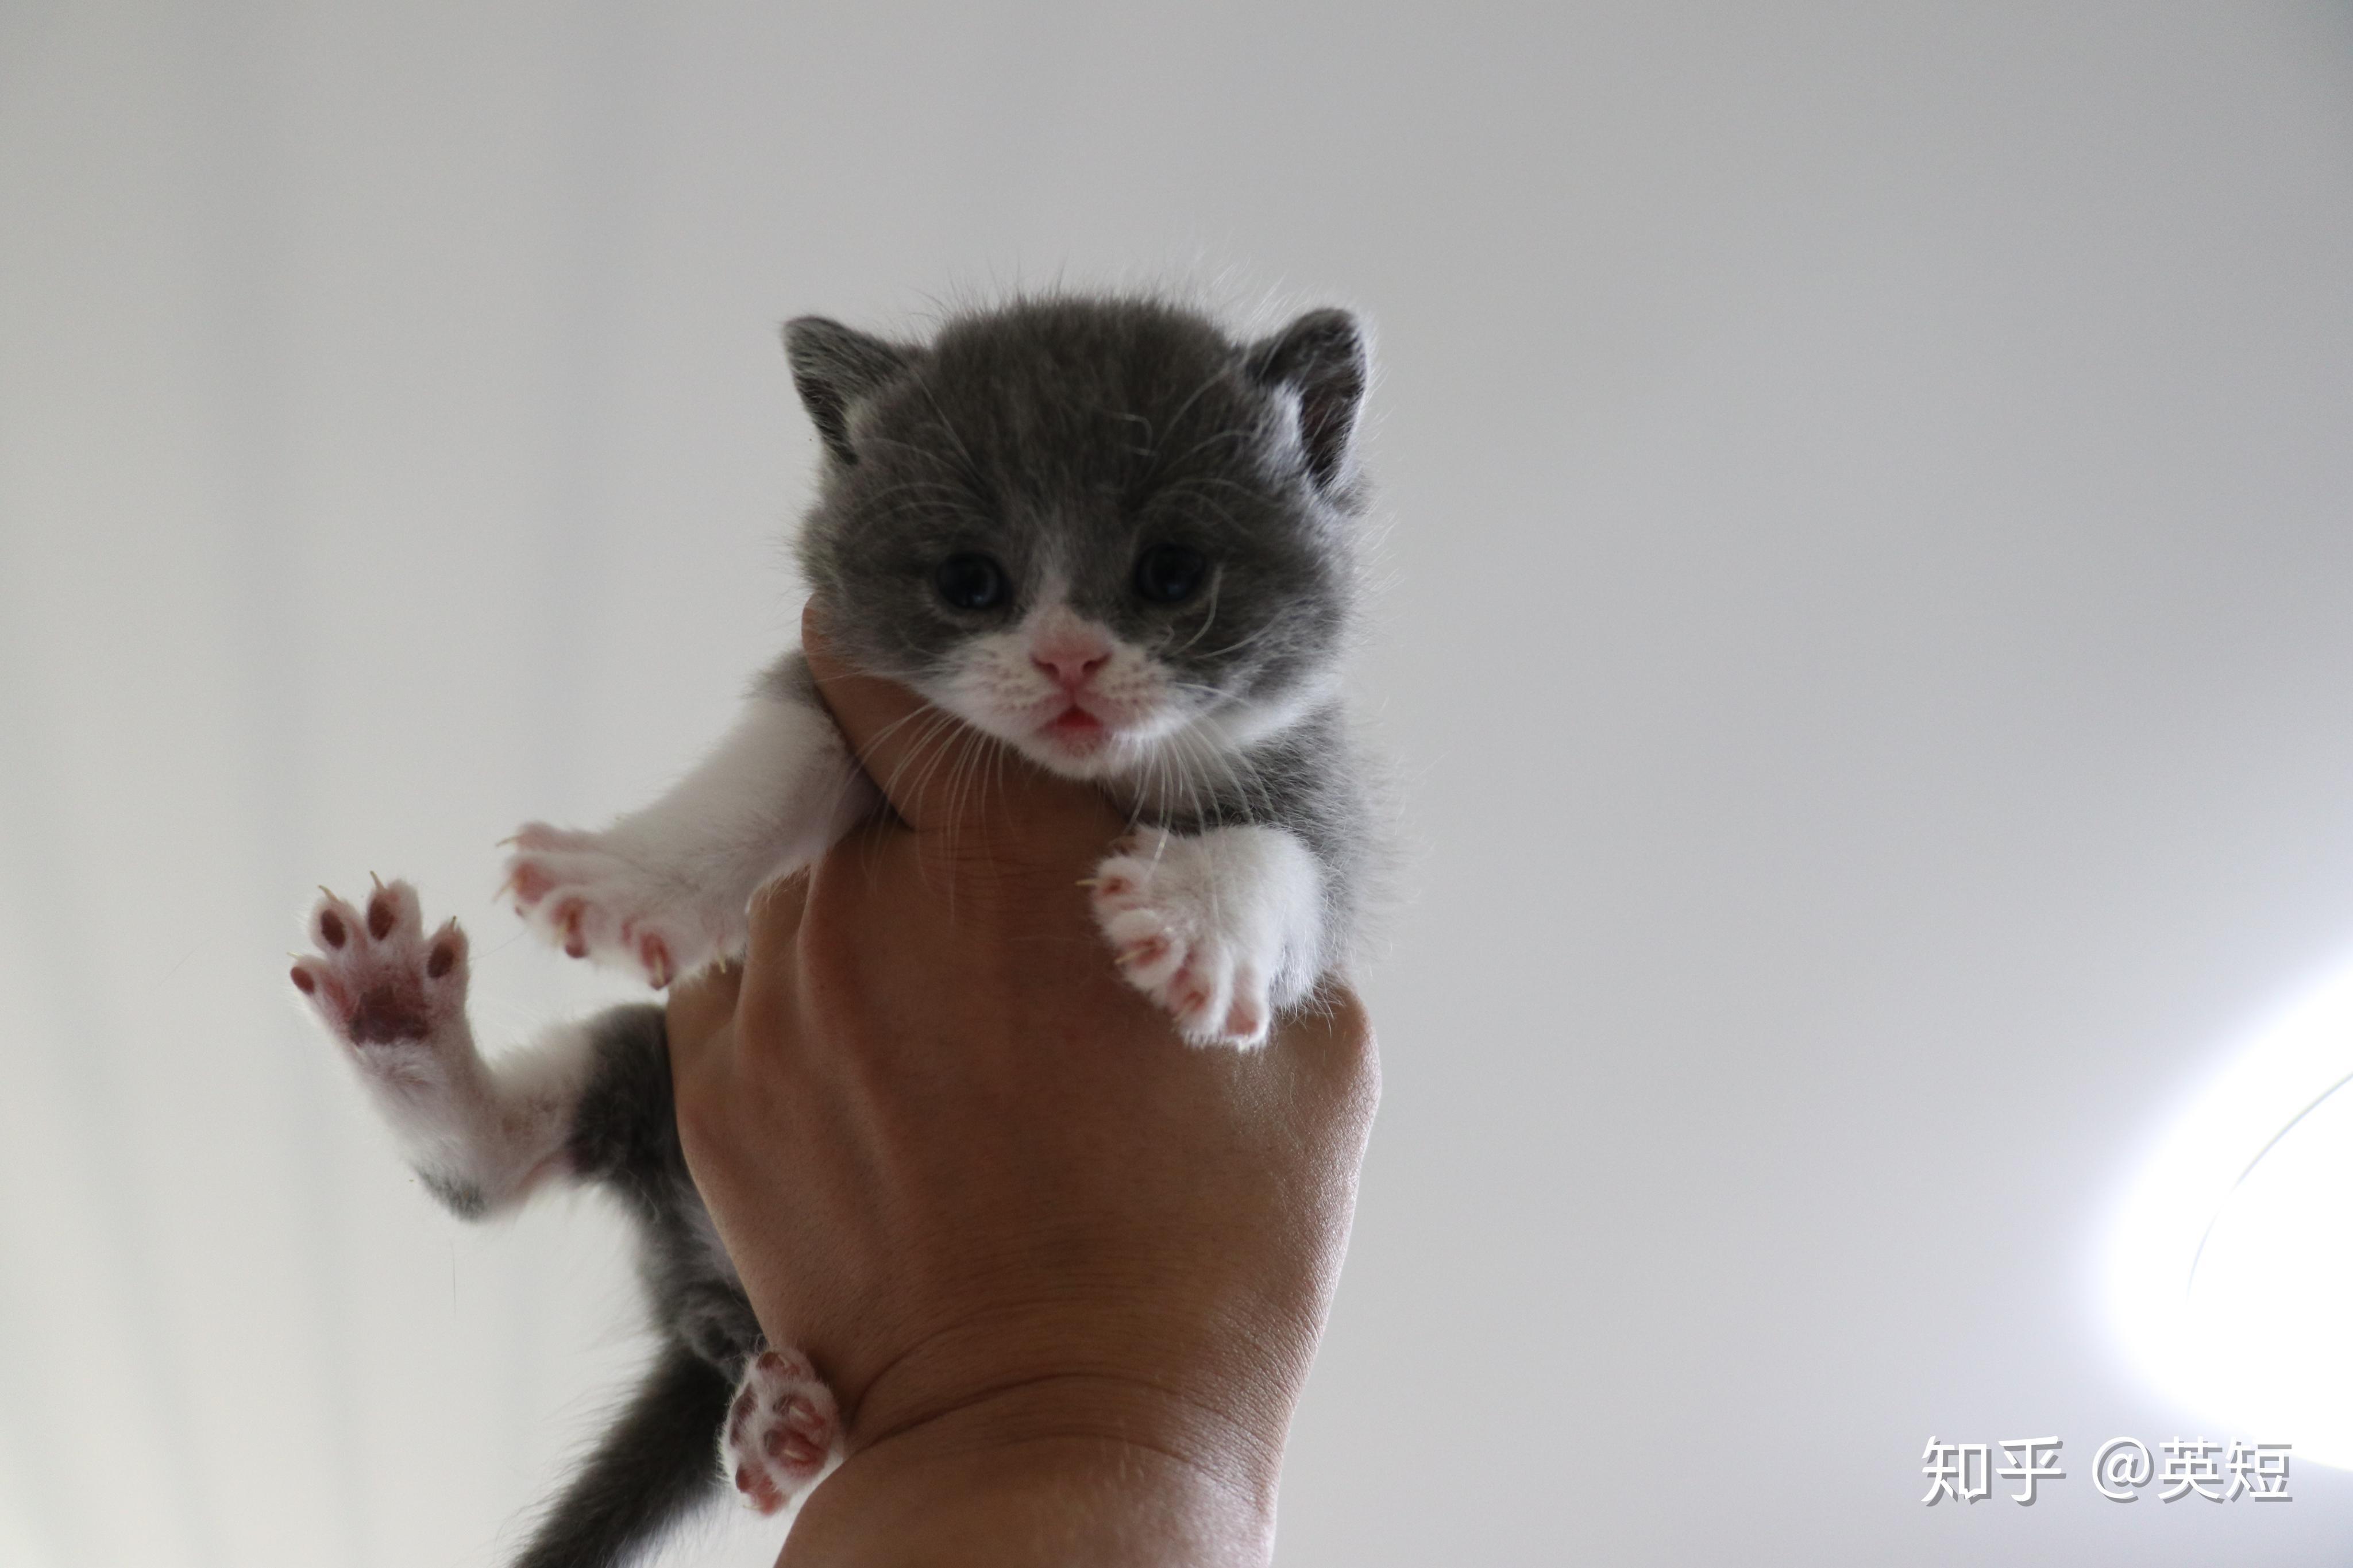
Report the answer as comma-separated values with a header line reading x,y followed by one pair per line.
x,y
1097,530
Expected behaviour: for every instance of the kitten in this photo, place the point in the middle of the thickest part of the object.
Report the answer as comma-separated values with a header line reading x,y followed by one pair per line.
x,y
1096,529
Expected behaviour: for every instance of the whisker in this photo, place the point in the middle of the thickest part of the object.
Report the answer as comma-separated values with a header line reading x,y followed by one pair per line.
x,y
1217,581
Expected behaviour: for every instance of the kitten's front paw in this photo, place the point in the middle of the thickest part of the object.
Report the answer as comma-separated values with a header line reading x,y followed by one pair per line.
x,y
783,1431
578,892
393,994
1184,941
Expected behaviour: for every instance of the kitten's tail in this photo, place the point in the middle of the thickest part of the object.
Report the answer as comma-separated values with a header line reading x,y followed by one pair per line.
x,y
659,1460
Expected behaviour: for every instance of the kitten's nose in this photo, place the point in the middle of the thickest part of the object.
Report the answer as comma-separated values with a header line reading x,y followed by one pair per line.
x,y
1071,661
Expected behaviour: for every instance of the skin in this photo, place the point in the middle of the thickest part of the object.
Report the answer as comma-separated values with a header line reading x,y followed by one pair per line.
x,y
1065,1273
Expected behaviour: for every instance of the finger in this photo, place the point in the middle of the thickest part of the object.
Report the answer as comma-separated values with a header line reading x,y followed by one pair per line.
x,y
703,1003
881,719
699,1007
766,1010
925,761
1331,1038
1355,1052
776,916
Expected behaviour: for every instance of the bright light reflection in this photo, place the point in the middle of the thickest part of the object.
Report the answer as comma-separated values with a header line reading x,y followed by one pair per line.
x,y
2232,1273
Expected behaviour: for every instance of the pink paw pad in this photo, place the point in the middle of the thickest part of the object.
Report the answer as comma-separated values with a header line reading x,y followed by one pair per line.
x,y
781,1430
529,884
1159,902
1145,953
596,901
379,978
567,917
1189,996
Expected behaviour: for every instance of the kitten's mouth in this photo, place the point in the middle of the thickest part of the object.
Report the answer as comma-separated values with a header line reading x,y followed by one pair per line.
x,y
1077,728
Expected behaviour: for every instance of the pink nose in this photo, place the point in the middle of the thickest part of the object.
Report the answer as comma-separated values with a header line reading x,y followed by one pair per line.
x,y
1070,664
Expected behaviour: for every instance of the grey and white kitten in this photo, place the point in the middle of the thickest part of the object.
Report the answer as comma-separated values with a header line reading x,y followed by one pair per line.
x,y
1096,529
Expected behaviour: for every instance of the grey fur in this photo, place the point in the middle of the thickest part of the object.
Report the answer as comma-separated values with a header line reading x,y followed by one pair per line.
x,y
656,1464
462,1198
1319,358
833,369
1061,436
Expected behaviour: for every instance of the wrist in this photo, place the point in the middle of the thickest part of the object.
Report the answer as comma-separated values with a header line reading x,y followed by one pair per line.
x,y
1068,1469
1143,1430
1213,1389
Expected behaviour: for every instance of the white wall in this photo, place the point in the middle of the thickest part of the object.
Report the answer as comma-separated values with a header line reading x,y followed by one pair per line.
x,y
1869,543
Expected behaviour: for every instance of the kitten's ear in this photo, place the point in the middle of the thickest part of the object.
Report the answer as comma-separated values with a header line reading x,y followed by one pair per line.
x,y
1321,358
833,368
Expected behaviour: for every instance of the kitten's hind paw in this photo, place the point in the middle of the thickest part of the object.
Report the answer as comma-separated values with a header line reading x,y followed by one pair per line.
x,y
580,894
380,983
783,1432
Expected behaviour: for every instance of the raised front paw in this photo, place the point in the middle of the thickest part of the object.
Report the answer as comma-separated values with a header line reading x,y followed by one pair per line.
x,y
783,1431
384,986
581,893
1186,938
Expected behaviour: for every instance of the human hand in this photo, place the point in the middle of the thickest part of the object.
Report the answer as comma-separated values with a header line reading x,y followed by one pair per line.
x,y
1064,1273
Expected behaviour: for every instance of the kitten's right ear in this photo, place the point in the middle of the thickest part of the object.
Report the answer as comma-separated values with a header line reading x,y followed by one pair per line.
x,y
833,368
1319,358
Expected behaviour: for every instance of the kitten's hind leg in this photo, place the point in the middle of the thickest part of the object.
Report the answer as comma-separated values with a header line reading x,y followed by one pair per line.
x,y
395,996
783,1434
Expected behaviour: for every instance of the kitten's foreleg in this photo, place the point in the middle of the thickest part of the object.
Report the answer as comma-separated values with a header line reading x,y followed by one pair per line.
x,y
482,1136
1220,928
664,889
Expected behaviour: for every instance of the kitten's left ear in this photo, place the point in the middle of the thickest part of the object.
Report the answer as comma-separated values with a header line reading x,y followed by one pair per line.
x,y
833,368
1321,358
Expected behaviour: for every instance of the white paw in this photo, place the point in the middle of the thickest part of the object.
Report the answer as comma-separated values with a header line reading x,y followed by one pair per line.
x,y
393,994
592,901
783,1432
1186,935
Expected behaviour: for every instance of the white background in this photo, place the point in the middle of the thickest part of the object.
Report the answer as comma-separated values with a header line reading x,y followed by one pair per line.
x,y
1866,506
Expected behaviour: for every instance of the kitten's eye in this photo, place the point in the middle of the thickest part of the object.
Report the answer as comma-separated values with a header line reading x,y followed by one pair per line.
x,y
970,581
1168,573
